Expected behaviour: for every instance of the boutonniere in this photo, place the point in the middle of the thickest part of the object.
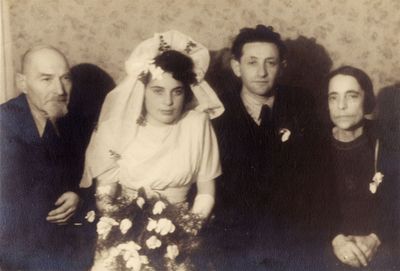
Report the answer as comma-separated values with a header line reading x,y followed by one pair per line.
x,y
285,134
90,216
376,181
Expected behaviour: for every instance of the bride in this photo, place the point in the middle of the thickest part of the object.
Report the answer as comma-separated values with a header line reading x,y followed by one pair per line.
x,y
154,131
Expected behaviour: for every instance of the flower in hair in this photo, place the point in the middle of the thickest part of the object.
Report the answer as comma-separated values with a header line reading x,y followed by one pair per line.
x,y
156,72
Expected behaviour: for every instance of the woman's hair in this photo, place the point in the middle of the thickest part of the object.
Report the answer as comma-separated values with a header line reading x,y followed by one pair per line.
x,y
363,80
261,33
181,68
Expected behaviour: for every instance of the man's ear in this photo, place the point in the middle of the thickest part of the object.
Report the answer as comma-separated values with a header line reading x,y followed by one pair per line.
x,y
235,65
20,80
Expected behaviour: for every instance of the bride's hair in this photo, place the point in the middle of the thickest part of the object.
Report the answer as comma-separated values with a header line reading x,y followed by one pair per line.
x,y
181,68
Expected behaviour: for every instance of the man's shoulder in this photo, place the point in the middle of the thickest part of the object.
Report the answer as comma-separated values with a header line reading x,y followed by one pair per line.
x,y
292,92
13,115
296,99
13,106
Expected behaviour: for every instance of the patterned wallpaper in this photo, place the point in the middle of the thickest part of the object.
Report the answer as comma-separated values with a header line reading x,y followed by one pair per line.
x,y
321,34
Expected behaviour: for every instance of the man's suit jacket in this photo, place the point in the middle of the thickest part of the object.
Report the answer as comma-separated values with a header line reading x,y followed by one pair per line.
x,y
34,172
265,178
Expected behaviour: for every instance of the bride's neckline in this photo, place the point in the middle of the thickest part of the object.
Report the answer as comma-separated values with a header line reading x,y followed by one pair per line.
x,y
156,133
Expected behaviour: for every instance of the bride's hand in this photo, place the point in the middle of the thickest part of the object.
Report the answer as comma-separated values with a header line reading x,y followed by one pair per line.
x,y
205,199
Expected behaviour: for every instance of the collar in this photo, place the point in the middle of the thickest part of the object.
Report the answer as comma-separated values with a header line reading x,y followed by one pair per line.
x,y
40,120
253,104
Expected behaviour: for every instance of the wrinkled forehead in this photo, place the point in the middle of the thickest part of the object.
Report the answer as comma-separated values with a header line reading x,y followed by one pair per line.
x,y
45,60
342,83
260,50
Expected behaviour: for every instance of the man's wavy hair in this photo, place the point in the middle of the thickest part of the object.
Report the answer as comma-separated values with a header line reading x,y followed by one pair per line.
x,y
260,33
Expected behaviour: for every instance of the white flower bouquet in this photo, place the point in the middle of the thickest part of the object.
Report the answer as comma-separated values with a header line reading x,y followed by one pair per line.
x,y
140,233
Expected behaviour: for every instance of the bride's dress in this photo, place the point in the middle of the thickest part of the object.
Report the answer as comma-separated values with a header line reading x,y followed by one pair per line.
x,y
166,160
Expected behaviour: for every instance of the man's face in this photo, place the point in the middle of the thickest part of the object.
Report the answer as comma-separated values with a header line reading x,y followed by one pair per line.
x,y
258,67
46,82
346,102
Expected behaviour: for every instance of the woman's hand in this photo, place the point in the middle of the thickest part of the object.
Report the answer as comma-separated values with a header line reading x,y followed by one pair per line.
x,y
204,201
348,252
368,244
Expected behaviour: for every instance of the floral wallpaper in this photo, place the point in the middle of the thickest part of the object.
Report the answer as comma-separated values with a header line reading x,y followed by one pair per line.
x,y
320,34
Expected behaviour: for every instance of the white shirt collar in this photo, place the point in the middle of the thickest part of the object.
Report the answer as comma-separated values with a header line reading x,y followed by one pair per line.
x,y
40,119
253,104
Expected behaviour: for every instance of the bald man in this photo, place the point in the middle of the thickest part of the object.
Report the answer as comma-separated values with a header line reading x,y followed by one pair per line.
x,y
38,194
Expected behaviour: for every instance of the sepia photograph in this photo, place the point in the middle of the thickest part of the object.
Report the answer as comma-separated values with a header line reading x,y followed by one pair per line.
x,y
199,135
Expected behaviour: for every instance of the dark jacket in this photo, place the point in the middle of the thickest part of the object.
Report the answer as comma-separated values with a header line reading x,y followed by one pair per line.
x,y
350,207
35,171
265,181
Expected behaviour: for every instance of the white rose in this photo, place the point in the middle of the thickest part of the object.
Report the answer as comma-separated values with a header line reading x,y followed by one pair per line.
x,y
134,263
131,245
158,207
373,187
104,226
125,225
156,72
90,216
152,224
153,242
378,178
165,226
144,259
172,252
114,252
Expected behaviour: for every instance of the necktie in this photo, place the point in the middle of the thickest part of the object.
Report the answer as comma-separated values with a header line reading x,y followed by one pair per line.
x,y
266,116
51,141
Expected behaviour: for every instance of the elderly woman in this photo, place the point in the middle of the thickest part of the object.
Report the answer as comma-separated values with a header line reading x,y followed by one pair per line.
x,y
358,183
154,130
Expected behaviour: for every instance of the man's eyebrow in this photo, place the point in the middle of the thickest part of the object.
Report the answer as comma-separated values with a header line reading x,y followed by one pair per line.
x,y
45,74
66,74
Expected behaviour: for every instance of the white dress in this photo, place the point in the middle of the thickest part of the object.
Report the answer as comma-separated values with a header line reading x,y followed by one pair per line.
x,y
168,159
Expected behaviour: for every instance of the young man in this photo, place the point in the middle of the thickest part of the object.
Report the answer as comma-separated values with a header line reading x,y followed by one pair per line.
x,y
38,195
265,137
